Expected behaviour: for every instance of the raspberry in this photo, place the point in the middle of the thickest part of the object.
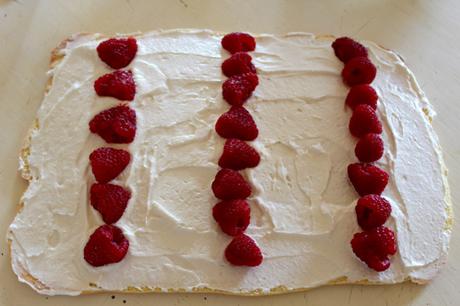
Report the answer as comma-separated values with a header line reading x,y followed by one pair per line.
x,y
237,42
367,179
238,63
109,200
364,120
346,48
118,84
372,211
369,148
108,163
362,94
117,52
243,251
238,88
232,216
238,155
358,70
237,123
229,185
115,125
105,246
374,246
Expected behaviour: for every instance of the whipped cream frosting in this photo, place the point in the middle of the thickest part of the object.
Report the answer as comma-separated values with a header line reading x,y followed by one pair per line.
x,y
302,204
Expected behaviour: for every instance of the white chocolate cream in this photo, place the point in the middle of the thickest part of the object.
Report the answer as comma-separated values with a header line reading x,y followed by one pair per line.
x,y
302,204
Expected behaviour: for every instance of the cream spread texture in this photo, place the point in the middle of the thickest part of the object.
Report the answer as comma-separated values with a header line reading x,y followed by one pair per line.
x,y
302,204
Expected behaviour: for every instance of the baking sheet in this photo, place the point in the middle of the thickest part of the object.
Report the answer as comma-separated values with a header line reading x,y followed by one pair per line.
x,y
423,32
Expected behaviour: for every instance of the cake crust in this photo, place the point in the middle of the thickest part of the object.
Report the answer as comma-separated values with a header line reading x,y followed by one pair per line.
x,y
57,55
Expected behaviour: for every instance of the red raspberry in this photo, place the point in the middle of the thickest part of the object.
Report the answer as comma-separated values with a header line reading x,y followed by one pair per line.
x,y
108,163
237,123
372,211
105,246
118,84
369,148
362,94
229,185
109,200
232,216
358,70
115,125
374,246
346,48
238,155
367,178
243,251
117,52
238,63
237,42
364,120
238,88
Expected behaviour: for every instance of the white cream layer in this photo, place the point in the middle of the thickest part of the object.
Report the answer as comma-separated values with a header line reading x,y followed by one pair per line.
x,y
302,205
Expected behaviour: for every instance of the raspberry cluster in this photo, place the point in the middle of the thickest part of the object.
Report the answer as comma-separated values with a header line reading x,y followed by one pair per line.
x,y
107,244
237,126
374,245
